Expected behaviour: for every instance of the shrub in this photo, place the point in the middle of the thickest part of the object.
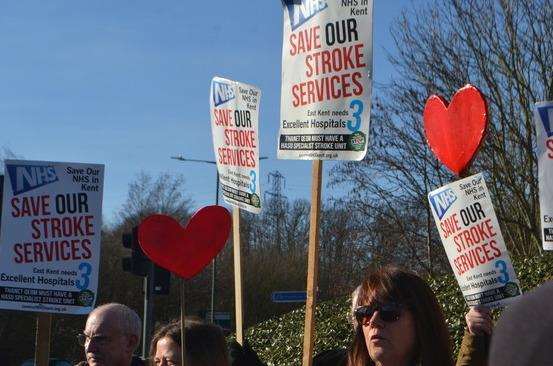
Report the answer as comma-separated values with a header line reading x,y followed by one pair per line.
x,y
279,341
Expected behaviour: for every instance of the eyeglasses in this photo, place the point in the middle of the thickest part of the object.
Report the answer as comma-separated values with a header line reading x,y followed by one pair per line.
x,y
388,312
84,339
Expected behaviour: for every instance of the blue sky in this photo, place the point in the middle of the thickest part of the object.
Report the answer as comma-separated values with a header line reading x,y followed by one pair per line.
x,y
126,84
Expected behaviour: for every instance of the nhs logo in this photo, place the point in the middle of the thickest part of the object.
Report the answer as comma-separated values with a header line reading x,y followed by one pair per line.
x,y
301,12
222,92
442,201
546,115
27,177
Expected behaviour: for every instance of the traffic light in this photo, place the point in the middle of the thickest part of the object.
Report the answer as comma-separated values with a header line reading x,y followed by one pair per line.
x,y
139,264
162,281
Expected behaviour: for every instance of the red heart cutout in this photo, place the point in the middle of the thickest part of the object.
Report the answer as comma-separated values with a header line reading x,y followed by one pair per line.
x,y
185,251
455,132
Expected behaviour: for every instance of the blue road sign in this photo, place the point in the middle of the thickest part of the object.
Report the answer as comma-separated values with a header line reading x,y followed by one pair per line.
x,y
221,318
289,296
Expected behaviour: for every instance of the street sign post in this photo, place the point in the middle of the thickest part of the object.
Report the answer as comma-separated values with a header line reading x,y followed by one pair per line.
x,y
221,318
288,296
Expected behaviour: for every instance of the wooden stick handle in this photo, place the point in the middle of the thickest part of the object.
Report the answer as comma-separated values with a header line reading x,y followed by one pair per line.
x,y
238,289
182,323
312,264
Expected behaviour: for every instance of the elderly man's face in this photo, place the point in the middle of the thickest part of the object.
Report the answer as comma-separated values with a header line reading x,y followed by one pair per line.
x,y
106,344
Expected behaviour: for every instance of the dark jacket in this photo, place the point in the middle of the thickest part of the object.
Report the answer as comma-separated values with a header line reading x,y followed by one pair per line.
x,y
136,361
333,357
474,352
246,356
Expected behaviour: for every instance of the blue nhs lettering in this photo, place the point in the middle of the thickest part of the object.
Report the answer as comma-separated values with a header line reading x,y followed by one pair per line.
x,y
546,116
301,13
222,93
25,177
442,201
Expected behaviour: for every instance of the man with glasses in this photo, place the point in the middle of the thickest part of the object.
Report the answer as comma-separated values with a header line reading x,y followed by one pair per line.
x,y
110,337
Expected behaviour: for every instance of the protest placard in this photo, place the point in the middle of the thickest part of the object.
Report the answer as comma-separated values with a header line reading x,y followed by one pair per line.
x,y
326,80
234,123
472,239
50,238
543,116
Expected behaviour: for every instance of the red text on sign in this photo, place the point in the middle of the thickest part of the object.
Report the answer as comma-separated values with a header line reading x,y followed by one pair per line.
x,y
30,206
474,235
549,145
476,256
327,88
223,117
450,225
236,157
49,251
305,40
62,227
336,60
240,138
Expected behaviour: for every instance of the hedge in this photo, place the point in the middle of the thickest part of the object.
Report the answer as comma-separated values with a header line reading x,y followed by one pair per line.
x,y
279,341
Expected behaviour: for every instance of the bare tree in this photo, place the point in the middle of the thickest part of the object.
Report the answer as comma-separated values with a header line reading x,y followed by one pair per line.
x,y
146,196
503,47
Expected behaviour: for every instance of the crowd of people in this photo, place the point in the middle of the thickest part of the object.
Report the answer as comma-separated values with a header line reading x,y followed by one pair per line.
x,y
396,321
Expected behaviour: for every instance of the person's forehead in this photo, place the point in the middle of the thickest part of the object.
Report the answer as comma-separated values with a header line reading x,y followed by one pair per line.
x,y
167,347
102,322
374,297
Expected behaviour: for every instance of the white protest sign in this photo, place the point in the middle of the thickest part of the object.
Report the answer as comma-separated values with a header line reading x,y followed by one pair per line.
x,y
472,239
234,123
326,80
50,240
543,115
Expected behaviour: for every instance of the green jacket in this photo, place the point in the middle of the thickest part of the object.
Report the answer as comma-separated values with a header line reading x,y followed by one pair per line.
x,y
474,350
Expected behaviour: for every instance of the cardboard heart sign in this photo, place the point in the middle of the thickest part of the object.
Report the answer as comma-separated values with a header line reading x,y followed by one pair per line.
x,y
455,132
185,251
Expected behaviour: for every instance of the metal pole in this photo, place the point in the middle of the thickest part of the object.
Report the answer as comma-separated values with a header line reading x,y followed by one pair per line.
x,y
217,190
214,266
42,339
147,325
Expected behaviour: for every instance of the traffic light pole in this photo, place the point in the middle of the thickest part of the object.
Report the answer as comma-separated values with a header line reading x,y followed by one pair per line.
x,y
157,281
147,326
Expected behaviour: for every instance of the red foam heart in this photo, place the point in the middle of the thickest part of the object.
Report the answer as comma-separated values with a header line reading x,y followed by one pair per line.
x,y
185,251
455,132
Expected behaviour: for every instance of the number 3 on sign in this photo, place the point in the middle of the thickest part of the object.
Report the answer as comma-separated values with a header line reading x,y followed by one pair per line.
x,y
87,270
253,177
504,278
354,126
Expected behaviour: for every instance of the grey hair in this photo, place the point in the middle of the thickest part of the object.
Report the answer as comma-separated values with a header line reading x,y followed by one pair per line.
x,y
129,321
354,304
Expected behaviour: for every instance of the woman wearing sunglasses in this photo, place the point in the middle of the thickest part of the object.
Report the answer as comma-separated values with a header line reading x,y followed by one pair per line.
x,y
400,323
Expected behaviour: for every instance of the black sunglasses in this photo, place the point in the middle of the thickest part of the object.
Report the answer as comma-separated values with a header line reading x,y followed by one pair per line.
x,y
388,312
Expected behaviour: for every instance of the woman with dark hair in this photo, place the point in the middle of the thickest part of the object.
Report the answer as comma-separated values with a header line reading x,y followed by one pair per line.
x,y
205,345
400,323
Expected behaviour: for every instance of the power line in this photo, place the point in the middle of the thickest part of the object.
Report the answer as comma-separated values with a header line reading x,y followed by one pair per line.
x,y
276,203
